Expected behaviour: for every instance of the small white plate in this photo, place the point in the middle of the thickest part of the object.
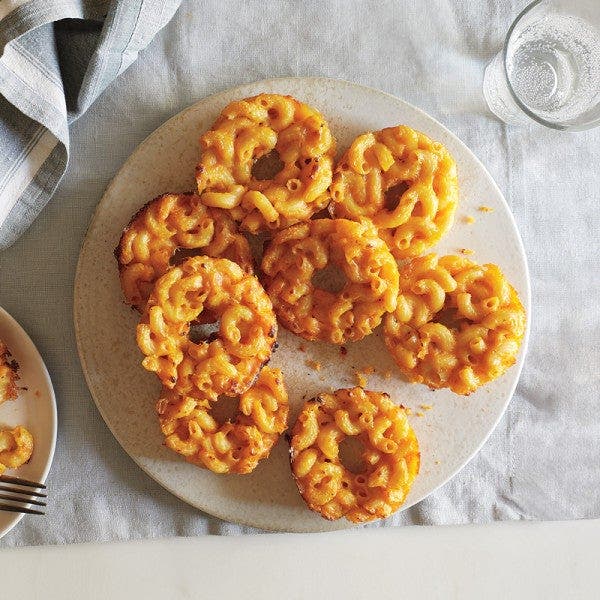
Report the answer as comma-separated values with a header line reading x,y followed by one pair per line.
x,y
35,409
449,434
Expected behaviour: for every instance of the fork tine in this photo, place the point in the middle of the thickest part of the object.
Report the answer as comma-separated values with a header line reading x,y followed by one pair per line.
x,y
24,500
6,488
17,509
23,482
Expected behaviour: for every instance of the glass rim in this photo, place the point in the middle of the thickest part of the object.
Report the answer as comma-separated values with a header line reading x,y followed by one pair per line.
x,y
523,107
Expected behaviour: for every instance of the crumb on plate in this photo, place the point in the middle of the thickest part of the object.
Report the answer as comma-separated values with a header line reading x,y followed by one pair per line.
x,y
361,380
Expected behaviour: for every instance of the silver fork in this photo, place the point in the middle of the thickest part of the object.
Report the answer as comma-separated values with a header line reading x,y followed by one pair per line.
x,y
20,493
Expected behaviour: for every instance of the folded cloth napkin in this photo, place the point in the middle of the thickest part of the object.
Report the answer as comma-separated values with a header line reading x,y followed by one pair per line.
x,y
56,58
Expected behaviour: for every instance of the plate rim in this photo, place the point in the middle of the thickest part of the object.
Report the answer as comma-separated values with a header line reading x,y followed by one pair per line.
x,y
5,315
517,367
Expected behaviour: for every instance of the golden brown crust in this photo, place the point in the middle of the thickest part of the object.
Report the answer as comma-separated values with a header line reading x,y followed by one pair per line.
x,y
237,445
390,457
296,253
251,128
421,172
227,364
457,324
16,448
9,374
169,223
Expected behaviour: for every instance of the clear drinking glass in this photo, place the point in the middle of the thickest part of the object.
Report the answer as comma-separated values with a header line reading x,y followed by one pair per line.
x,y
549,69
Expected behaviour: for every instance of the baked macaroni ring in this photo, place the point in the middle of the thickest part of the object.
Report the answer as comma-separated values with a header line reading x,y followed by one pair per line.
x,y
163,226
390,457
227,364
418,172
457,325
237,445
296,253
9,374
16,448
251,128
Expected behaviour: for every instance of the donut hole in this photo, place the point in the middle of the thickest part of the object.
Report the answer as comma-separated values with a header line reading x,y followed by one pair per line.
x,y
351,455
204,332
267,166
330,279
391,198
225,409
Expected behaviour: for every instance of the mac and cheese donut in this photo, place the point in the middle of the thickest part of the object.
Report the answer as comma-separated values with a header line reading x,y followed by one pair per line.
x,y
234,446
457,325
251,128
169,223
227,364
296,253
16,448
390,457
420,175
9,374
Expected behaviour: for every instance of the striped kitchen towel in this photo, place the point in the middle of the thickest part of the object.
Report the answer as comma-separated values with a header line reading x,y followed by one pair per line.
x,y
56,58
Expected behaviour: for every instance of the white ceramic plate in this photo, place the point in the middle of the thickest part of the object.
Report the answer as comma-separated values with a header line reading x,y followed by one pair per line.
x,y
449,434
35,409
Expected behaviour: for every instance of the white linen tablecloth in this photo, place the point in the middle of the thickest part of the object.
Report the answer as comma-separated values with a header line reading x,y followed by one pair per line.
x,y
542,461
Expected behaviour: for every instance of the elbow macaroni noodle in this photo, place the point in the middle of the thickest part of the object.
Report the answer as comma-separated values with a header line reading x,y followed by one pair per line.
x,y
166,224
376,163
390,457
296,253
457,324
234,446
251,128
16,448
225,365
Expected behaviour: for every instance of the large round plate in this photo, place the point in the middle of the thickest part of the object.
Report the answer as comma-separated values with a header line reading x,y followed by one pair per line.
x,y
449,434
35,409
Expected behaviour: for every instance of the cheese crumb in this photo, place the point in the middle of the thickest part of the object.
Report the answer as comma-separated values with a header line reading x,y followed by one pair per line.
x,y
484,208
469,219
467,251
426,406
420,414
361,380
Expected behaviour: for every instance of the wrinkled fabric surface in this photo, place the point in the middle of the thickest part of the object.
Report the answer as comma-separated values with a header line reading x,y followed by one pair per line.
x,y
542,460
56,57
